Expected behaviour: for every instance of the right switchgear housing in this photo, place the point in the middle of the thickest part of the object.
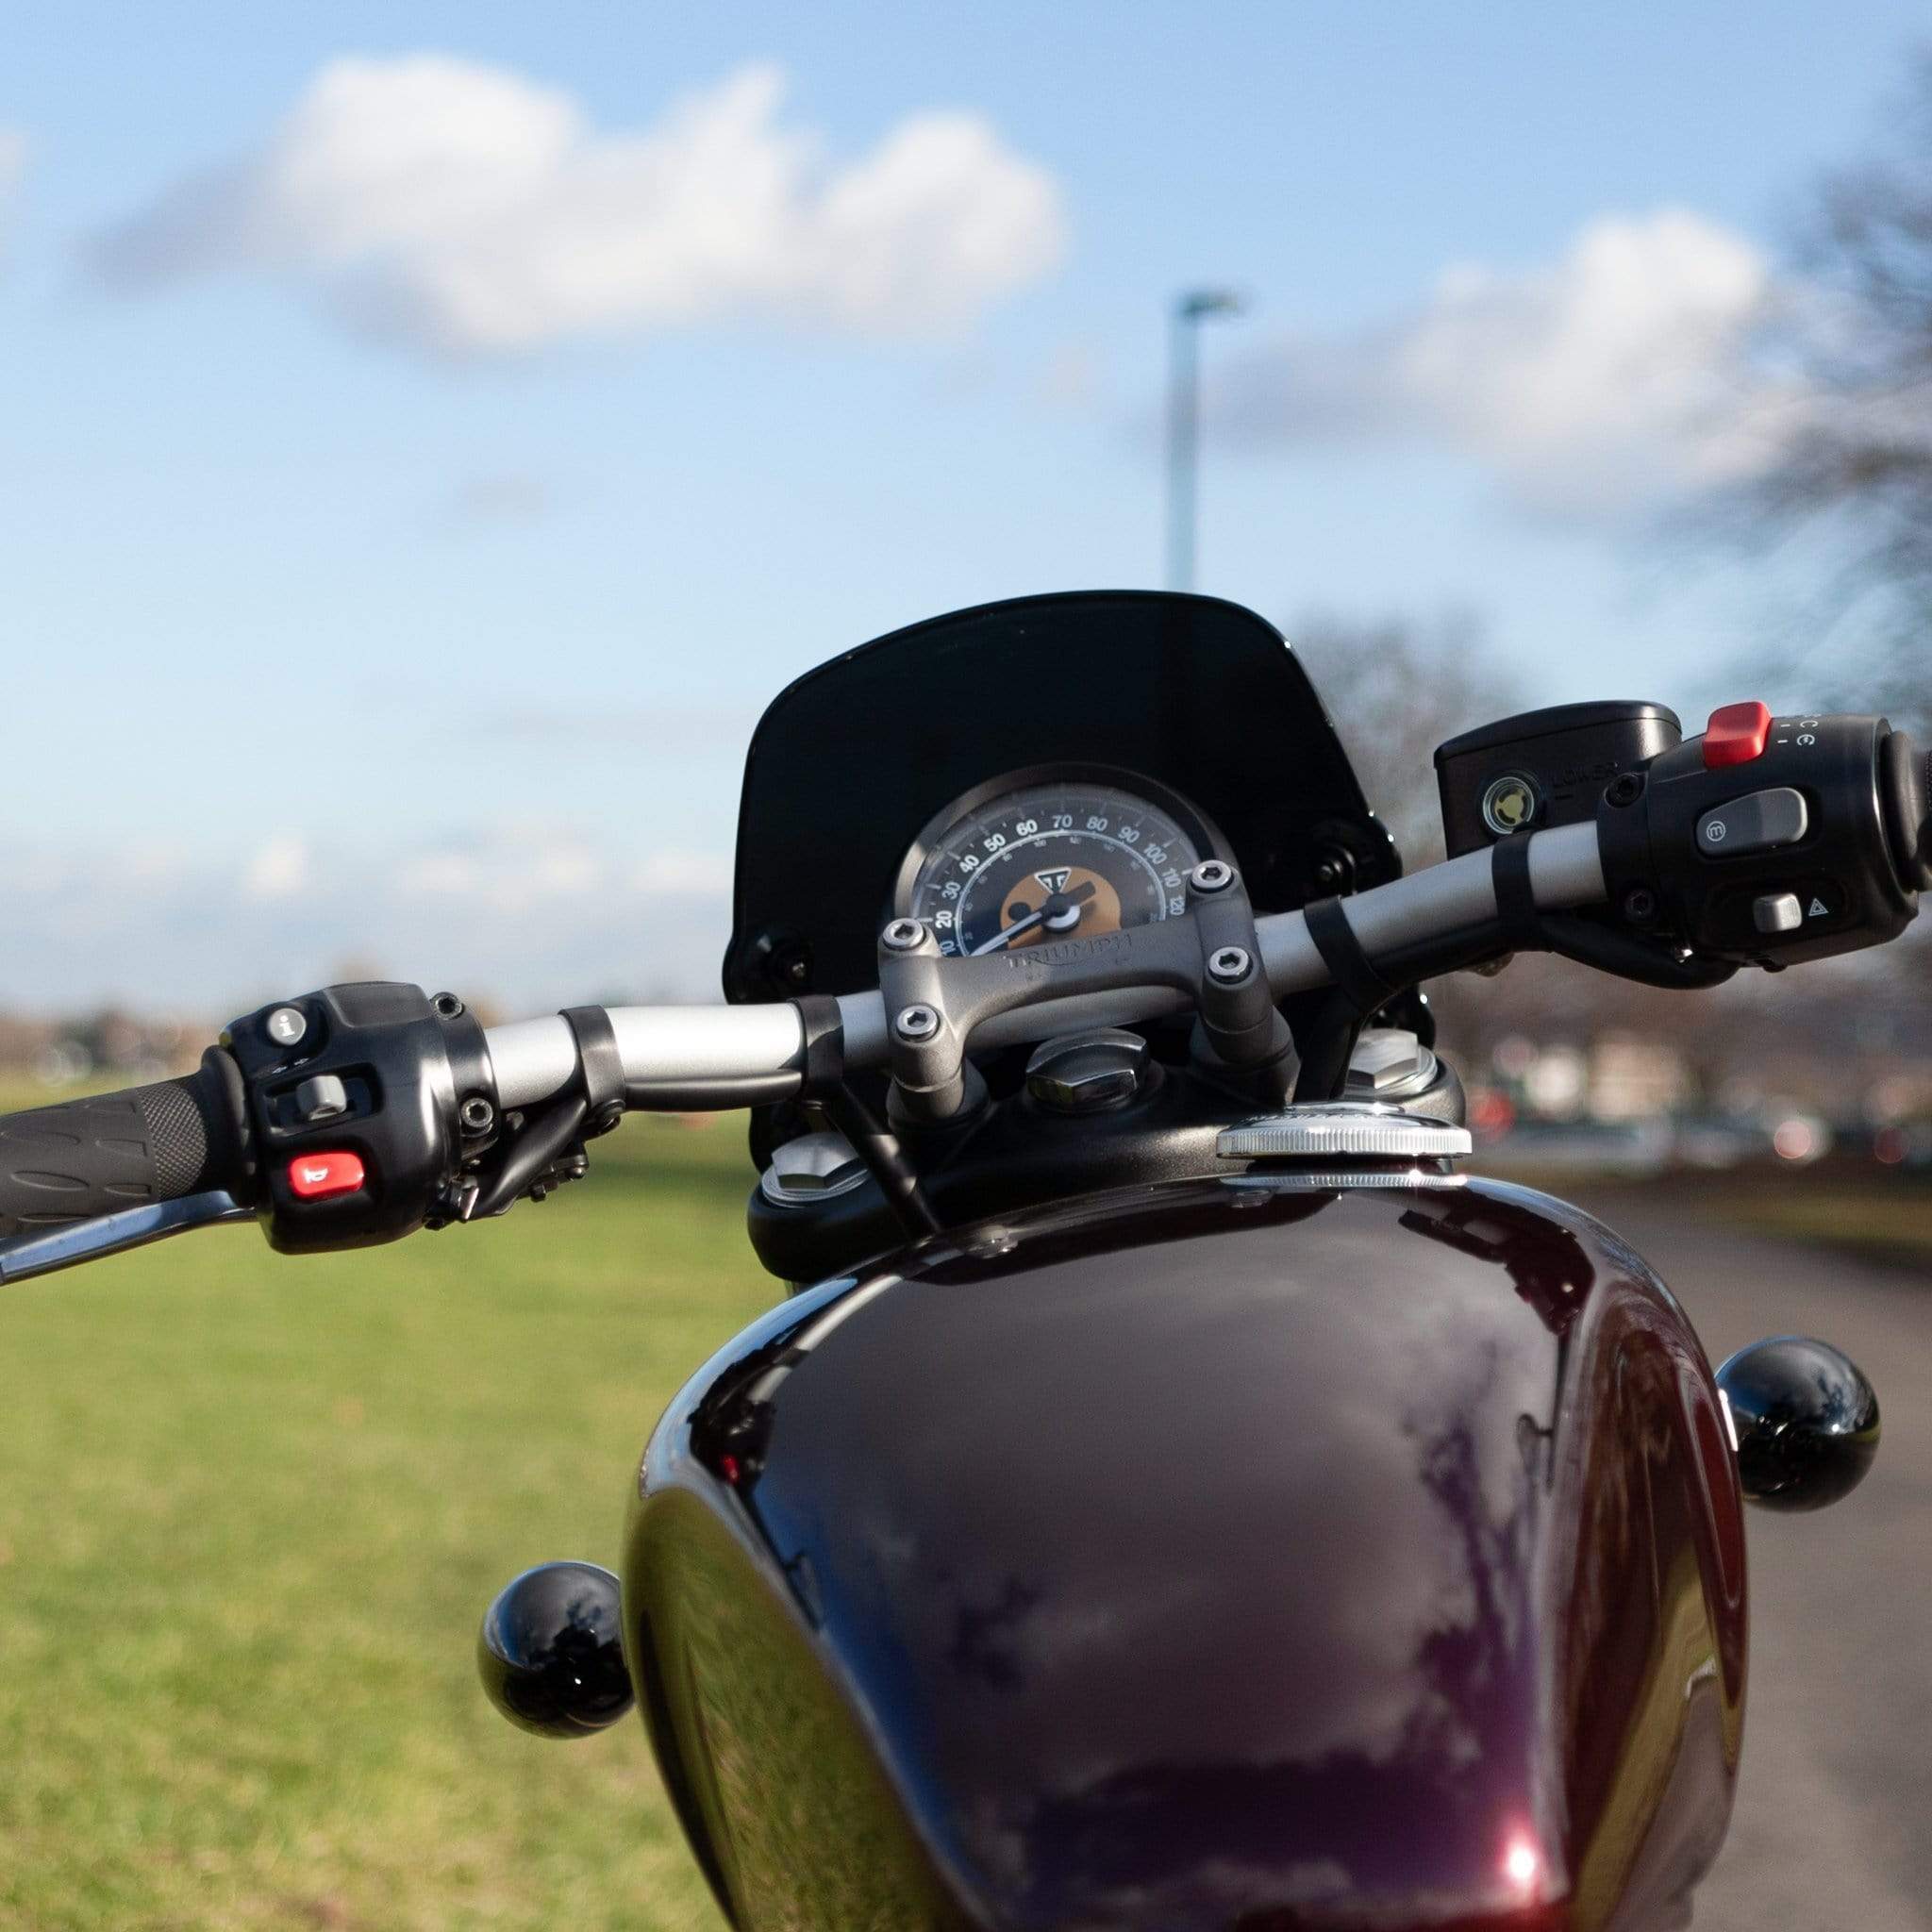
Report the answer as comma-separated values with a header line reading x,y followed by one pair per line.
x,y
1849,854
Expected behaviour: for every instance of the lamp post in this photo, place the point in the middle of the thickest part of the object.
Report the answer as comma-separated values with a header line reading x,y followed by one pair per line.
x,y
1184,423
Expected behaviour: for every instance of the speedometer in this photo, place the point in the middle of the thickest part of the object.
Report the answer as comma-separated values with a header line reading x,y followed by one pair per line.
x,y
1042,855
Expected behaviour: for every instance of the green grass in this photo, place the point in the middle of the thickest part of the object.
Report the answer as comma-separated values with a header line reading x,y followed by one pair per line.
x,y
1880,1215
1884,1217
251,1510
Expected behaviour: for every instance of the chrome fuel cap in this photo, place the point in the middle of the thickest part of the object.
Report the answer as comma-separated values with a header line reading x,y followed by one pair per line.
x,y
1340,1128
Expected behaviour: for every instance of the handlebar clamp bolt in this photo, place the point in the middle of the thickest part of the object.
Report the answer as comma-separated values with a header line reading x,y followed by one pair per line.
x,y
448,1006
1639,906
1211,875
286,1025
476,1115
1625,789
1230,965
917,1023
903,936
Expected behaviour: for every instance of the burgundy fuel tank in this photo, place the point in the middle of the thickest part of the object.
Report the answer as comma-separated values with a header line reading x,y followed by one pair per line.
x,y
1227,1556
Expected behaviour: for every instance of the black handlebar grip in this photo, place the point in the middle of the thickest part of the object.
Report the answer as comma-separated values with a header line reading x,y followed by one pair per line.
x,y
79,1160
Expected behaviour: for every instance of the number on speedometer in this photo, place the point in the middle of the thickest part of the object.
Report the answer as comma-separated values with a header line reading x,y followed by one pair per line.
x,y
1031,859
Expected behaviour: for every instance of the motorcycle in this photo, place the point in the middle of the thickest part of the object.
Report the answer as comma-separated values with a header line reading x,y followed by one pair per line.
x,y
1172,1493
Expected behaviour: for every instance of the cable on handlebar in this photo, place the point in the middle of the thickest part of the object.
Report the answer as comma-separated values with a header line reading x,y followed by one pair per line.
x,y
885,1157
824,1085
1586,944
1348,963
1359,991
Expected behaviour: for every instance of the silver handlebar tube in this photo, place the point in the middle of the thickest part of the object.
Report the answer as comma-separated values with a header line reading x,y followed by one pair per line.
x,y
668,1046
686,1049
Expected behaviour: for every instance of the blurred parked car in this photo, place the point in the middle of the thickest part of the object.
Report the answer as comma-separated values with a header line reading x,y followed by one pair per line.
x,y
1627,1150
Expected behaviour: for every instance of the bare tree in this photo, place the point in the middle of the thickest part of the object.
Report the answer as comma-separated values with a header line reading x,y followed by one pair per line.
x,y
1846,346
1396,688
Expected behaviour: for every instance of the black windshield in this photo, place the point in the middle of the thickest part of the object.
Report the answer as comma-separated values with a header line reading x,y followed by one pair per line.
x,y
850,762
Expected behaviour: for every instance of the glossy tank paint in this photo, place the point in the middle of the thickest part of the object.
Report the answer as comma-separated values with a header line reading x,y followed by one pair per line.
x,y
1224,1554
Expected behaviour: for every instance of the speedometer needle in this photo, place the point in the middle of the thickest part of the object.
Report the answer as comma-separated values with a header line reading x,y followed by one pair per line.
x,y
1060,903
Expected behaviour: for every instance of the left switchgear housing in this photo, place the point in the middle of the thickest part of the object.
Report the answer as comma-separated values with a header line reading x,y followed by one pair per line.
x,y
375,1069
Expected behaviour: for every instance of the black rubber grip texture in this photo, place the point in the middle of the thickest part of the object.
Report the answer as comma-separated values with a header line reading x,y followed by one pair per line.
x,y
81,1159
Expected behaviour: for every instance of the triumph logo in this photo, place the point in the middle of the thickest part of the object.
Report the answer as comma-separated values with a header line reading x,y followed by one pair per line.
x,y
1056,881
1040,960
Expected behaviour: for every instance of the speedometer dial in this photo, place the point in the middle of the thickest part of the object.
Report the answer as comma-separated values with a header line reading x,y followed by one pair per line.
x,y
1037,856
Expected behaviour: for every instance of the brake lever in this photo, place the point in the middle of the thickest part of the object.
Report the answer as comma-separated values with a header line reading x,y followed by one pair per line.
x,y
26,1254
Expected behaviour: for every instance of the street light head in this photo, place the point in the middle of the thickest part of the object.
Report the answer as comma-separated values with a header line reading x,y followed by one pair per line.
x,y
1198,303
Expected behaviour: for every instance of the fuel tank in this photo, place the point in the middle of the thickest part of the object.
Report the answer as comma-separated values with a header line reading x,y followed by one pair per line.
x,y
1266,1553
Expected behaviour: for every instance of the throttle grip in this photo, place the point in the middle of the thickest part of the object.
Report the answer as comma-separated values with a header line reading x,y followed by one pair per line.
x,y
79,1160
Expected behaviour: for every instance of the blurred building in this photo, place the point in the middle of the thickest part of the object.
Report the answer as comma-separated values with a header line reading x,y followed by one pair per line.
x,y
1633,1080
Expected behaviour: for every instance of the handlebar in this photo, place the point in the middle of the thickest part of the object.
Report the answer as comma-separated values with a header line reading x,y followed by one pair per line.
x,y
359,1113
111,1156
700,1057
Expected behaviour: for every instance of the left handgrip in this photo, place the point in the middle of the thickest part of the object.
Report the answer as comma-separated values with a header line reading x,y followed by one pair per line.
x,y
79,1160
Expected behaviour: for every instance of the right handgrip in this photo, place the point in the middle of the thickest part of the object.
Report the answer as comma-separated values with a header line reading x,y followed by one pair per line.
x,y
79,1160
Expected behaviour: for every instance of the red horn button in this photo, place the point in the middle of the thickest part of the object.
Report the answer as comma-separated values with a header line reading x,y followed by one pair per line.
x,y
313,1176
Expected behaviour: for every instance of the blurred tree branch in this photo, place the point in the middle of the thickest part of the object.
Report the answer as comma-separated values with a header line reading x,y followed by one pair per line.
x,y
1842,374
1396,688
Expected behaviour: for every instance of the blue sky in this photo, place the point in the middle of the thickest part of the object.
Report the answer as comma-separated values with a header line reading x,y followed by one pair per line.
x,y
384,583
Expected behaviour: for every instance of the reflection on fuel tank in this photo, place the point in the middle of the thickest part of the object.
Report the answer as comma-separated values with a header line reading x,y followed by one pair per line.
x,y
1227,1555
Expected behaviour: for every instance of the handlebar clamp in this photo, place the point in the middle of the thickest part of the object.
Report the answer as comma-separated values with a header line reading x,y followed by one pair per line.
x,y
934,1001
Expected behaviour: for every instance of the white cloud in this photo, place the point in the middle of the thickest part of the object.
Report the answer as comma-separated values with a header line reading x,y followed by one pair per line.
x,y
278,870
466,209
530,916
1596,385
526,869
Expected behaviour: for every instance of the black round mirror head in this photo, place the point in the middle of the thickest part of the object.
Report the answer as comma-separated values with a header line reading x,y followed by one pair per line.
x,y
549,1652
1805,1421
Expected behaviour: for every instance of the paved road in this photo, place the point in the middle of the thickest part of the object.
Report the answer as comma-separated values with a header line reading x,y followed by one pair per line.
x,y
1834,1818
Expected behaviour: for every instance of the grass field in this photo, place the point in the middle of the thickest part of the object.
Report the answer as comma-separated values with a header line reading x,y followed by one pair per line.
x,y
1857,1209
251,1510
1883,1217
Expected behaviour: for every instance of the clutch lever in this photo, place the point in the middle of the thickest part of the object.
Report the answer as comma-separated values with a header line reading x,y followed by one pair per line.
x,y
27,1254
